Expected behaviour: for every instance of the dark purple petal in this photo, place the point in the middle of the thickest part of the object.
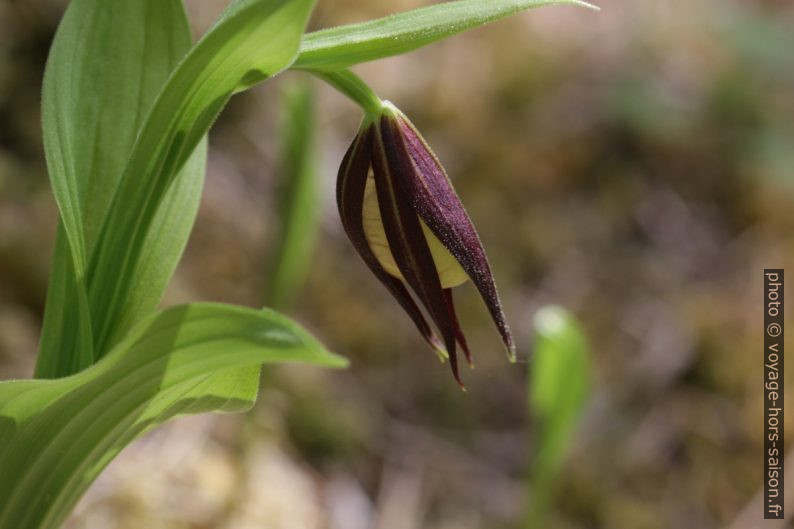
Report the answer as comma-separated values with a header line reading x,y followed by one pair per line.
x,y
439,207
405,237
458,331
350,187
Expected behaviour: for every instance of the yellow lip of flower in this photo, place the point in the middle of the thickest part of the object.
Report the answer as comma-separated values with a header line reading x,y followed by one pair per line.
x,y
449,270
402,215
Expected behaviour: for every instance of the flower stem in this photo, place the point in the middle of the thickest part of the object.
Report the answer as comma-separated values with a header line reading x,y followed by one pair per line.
x,y
355,88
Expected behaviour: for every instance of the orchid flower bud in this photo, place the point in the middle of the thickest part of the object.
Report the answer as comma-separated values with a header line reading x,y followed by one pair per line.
x,y
402,215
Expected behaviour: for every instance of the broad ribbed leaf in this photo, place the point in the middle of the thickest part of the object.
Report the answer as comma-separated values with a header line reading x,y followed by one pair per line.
x,y
343,46
57,435
108,62
253,40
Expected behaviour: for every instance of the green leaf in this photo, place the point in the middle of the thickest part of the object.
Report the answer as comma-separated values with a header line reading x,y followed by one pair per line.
x,y
66,344
558,389
57,435
253,40
343,46
297,198
108,62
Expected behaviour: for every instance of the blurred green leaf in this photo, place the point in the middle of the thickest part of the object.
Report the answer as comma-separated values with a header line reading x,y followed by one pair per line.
x,y
107,64
252,40
340,47
297,198
559,382
57,435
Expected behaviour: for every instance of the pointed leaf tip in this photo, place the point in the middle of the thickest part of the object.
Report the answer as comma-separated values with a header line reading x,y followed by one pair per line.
x,y
342,46
587,5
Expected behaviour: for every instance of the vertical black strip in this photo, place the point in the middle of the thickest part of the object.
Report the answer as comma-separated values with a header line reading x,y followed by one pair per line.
x,y
773,394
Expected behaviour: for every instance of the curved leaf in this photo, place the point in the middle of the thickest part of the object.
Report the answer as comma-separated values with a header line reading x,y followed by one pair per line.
x,y
57,435
343,46
253,39
108,62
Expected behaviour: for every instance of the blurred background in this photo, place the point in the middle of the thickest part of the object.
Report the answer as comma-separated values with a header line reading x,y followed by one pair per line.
x,y
635,166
